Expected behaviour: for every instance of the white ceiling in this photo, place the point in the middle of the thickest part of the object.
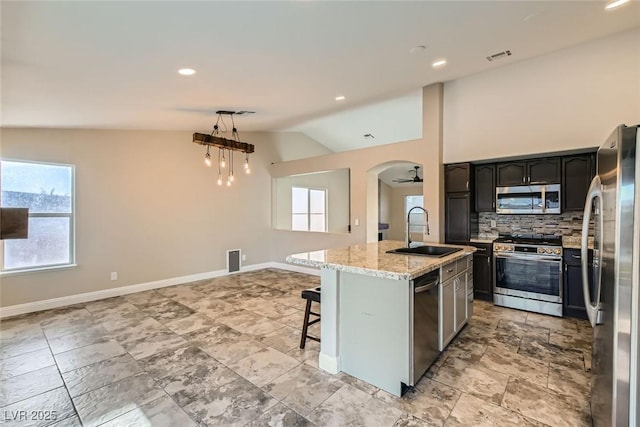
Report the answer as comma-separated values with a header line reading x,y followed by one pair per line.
x,y
113,64
400,171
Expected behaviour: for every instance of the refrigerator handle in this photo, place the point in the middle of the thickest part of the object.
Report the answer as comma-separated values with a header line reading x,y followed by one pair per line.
x,y
595,191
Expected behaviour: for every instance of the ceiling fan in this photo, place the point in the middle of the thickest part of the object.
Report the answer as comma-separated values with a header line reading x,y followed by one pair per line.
x,y
416,177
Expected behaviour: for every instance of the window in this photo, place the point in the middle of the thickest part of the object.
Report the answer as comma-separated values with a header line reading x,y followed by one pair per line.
x,y
308,209
48,191
417,216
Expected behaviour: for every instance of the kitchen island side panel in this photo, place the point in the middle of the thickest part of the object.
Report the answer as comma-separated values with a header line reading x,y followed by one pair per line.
x,y
375,329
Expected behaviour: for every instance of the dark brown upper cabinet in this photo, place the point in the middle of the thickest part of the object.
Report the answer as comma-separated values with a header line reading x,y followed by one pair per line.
x,y
459,221
544,171
512,173
457,177
537,171
577,173
485,184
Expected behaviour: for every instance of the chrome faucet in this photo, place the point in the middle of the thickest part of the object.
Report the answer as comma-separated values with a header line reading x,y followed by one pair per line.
x,y
408,240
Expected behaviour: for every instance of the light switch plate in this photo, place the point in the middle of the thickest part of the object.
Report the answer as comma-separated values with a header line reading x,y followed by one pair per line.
x,y
493,223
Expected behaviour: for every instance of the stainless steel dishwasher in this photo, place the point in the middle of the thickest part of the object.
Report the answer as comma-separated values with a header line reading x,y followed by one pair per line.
x,y
425,322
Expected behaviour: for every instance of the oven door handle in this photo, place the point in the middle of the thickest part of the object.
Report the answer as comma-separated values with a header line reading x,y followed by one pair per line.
x,y
532,258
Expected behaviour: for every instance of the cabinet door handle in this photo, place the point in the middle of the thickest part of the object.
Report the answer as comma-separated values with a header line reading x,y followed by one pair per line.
x,y
467,184
576,256
489,261
523,179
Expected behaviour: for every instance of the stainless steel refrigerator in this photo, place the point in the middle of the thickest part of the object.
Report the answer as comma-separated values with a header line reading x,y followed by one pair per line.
x,y
613,302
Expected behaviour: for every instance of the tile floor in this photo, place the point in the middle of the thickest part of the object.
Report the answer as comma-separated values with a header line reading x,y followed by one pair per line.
x,y
225,352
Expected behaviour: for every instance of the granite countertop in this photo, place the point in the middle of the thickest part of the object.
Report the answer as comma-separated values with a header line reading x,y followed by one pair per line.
x,y
575,242
371,259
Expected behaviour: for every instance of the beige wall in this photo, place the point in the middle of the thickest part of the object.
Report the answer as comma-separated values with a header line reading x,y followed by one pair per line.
x,y
364,198
398,223
384,202
569,99
336,184
147,207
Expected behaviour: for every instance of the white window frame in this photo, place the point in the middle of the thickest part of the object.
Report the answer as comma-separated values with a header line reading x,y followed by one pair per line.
x,y
308,212
419,213
72,222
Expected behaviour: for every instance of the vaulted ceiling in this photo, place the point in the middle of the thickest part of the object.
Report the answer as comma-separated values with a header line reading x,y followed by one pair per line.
x,y
114,64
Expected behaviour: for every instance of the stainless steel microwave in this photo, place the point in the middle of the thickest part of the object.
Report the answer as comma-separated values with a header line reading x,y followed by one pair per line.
x,y
528,199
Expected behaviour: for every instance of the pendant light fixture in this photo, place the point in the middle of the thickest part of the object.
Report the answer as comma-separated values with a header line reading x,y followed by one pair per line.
x,y
223,144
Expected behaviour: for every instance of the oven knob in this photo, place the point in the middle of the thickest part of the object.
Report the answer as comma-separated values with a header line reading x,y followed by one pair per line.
x,y
549,251
557,251
511,248
540,250
498,247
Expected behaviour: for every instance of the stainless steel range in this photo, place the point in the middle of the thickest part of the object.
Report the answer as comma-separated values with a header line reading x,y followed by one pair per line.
x,y
528,273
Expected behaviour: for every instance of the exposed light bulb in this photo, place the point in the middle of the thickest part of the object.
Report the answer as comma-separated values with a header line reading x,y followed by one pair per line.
x,y
228,182
223,162
247,170
231,178
207,159
219,179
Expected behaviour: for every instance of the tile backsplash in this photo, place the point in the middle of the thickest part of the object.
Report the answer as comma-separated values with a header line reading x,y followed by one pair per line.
x,y
565,224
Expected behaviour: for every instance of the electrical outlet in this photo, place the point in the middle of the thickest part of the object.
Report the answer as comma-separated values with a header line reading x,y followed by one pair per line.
x,y
357,222
114,275
244,257
493,223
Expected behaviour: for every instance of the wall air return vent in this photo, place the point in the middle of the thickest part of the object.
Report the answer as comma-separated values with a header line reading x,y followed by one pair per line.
x,y
499,55
233,260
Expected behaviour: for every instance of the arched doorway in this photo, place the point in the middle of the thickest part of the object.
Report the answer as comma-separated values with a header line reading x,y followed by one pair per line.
x,y
392,189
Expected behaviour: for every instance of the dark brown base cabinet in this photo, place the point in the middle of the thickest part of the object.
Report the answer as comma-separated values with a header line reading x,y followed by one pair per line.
x,y
573,300
483,271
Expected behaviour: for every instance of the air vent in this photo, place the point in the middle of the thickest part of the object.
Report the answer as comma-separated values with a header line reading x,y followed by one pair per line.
x,y
499,55
233,260
368,136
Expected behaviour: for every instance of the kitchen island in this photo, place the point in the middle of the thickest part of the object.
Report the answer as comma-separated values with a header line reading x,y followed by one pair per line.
x,y
368,322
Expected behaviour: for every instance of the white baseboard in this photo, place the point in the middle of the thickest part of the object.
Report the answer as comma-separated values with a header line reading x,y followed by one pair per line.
x,y
328,363
296,268
14,310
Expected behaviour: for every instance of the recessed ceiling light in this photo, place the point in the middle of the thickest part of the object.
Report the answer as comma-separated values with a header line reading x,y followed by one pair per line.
x,y
186,71
439,63
340,98
615,4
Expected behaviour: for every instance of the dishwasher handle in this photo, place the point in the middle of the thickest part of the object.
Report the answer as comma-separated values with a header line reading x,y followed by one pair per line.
x,y
428,286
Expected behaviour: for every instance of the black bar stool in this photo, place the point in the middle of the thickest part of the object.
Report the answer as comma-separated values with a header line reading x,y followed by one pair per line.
x,y
310,295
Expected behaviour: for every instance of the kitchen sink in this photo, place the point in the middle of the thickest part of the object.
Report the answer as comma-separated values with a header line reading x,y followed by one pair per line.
x,y
434,251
